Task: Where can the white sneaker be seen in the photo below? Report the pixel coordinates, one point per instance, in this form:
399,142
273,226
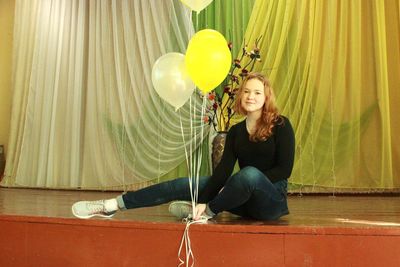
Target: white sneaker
89,209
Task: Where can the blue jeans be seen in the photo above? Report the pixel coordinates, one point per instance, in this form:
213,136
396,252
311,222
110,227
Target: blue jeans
248,193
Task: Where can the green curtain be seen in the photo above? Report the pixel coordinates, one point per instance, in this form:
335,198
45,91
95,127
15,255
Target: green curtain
230,18
335,67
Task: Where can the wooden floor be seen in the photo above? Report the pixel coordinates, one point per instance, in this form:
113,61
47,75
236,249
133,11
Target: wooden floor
332,225
320,211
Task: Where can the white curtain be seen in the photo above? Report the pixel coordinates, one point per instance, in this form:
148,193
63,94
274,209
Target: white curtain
85,114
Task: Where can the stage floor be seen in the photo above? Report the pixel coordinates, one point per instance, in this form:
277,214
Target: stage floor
307,210
37,228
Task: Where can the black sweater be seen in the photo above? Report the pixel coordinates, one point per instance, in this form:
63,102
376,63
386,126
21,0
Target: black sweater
274,156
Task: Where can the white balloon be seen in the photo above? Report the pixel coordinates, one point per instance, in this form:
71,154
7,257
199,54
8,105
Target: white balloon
197,5
171,80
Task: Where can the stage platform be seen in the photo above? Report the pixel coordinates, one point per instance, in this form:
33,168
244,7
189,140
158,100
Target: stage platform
38,229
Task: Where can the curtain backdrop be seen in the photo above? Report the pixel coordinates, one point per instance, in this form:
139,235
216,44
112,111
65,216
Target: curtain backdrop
335,66
85,114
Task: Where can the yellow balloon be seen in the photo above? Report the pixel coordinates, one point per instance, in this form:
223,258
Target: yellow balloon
208,59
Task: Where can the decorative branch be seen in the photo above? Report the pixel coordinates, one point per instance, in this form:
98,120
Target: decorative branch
220,111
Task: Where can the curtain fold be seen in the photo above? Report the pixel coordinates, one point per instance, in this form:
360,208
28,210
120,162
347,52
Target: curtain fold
85,114
335,69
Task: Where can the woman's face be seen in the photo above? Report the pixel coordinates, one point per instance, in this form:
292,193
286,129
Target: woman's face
253,97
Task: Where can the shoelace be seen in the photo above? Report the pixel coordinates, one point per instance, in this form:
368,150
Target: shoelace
95,206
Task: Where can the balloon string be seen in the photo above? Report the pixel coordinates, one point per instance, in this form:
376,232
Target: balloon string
187,156
183,137
185,242
197,21
200,155
194,166
188,257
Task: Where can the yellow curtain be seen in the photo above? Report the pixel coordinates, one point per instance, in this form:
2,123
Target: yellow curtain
335,67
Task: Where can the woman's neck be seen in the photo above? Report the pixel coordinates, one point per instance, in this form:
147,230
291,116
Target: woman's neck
252,117
251,121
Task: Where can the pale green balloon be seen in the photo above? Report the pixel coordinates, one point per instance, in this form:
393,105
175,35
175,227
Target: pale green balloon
197,5
171,80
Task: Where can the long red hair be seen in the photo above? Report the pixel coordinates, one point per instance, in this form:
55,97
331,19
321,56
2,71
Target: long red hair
270,115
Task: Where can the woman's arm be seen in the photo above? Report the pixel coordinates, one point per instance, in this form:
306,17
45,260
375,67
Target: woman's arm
285,148
223,170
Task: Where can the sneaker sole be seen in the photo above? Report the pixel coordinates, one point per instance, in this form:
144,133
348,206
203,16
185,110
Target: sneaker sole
90,216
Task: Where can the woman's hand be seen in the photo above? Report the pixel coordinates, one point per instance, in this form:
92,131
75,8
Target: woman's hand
199,210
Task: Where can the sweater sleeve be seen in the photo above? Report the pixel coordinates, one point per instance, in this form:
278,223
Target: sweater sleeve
223,170
285,149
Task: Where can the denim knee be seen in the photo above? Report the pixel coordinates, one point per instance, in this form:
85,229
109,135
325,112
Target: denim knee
248,176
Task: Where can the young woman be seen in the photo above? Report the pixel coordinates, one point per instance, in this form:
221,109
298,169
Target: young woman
264,146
